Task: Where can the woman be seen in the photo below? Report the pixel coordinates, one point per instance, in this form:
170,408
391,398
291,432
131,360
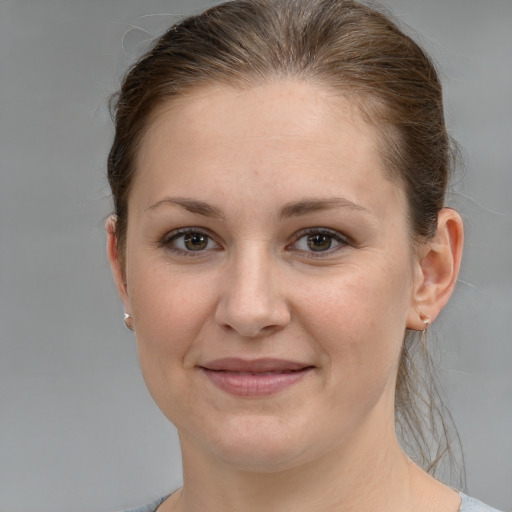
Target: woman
278,172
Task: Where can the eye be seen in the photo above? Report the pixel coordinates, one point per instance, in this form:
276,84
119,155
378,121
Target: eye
190,241
319,241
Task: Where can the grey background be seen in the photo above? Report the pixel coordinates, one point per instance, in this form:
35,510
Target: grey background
78,430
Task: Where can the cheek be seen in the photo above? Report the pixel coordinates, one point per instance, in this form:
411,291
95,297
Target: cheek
358,320
170,310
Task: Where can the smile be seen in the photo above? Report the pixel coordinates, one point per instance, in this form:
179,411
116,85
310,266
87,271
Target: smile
261,377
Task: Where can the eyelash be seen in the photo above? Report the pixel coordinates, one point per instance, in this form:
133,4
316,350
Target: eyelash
341,240
175,235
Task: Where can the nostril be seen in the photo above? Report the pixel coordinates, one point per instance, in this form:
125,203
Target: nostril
254,331
251,302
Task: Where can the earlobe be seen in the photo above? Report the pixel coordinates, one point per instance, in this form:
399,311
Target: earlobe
438,268
118,270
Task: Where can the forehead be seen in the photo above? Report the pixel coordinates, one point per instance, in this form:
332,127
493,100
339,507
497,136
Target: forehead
287,134
279,109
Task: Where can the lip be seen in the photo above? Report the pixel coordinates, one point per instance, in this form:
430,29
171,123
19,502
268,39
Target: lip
257,377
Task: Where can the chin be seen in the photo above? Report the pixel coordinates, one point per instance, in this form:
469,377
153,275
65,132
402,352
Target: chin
257,443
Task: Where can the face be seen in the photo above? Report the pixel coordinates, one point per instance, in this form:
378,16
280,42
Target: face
270,274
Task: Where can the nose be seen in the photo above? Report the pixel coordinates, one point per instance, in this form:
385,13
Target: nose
253,303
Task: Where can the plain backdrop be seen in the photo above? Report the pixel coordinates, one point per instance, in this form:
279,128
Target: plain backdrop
78,429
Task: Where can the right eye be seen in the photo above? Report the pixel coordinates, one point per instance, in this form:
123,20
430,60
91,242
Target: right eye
319,243
190,241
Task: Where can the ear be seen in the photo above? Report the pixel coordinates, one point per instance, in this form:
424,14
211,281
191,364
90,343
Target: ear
116,264
437,269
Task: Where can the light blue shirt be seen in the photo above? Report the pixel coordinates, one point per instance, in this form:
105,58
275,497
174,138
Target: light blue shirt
468,505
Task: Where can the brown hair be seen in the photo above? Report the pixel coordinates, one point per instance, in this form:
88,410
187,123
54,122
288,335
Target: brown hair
341,44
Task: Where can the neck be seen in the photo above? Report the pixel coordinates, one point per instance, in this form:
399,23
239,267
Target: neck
357,476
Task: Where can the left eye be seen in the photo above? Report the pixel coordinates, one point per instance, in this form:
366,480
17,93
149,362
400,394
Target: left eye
192,241
319,241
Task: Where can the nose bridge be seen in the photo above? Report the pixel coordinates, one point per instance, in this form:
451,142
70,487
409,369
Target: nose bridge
252,302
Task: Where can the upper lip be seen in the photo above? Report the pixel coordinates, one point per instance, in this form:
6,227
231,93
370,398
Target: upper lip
233,364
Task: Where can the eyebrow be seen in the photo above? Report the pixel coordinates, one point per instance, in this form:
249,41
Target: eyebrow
298,208
191,205
293,209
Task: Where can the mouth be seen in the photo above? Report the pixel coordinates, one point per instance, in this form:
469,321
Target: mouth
259,377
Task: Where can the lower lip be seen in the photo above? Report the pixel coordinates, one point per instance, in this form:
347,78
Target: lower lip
254,384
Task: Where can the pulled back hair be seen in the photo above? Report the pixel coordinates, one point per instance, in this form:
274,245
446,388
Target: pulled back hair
345,46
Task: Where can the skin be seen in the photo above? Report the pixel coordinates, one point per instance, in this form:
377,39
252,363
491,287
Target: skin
257,289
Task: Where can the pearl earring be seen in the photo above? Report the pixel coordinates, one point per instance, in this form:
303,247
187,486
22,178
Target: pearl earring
128,321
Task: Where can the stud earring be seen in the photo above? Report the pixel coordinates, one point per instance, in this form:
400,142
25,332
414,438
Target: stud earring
423,333
128,321
426,322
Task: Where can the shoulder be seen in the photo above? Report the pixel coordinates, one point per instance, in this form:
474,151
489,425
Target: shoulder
470,504
150,507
